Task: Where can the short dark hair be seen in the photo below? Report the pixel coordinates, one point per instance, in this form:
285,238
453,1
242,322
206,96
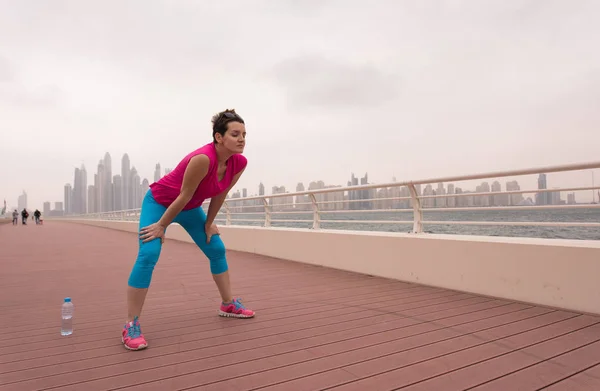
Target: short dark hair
220,121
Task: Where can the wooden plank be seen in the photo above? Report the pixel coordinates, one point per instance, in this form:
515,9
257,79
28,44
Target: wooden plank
442,364
420,346
587,380
547,372
479,321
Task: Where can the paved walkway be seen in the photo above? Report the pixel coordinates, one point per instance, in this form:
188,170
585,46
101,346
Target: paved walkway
315,328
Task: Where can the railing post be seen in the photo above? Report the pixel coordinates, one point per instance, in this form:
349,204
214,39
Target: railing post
417,211
227,214
316,212
267,212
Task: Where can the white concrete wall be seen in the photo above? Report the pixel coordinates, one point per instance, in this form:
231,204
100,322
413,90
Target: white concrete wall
557,273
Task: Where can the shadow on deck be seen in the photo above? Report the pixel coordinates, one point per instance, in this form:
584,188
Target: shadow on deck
315,328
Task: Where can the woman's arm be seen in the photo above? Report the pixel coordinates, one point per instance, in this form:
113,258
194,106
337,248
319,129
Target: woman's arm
195,171
217,201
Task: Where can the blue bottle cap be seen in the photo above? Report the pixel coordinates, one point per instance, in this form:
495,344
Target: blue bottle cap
67,299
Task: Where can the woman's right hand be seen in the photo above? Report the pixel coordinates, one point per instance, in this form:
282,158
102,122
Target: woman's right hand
153,231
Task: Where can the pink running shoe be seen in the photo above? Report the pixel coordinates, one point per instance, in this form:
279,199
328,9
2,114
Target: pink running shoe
132,336
235,309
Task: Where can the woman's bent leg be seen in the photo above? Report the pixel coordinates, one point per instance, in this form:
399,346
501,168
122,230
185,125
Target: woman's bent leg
193,222
141,275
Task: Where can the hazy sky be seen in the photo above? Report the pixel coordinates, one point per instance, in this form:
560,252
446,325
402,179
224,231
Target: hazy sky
411,89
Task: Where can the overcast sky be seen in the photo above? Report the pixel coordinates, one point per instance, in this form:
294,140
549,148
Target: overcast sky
411,89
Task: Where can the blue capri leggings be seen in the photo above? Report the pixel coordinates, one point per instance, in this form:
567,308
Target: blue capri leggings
193,222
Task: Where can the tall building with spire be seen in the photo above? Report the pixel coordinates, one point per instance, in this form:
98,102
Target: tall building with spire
126,179
99,185
107,187
79,197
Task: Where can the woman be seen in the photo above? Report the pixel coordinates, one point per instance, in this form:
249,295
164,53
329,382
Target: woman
208,172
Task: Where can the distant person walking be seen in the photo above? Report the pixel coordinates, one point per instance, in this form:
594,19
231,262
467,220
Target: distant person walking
37,215
208,172
15,216
24,215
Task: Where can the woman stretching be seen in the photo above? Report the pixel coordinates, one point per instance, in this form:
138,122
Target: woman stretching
208,172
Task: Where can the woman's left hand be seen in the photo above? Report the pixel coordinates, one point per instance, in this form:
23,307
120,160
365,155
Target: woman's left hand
210,231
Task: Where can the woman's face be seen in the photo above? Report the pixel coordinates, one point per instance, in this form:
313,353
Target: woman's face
234,139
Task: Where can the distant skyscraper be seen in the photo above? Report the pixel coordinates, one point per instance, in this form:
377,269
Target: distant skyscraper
118,192
80,190
428,202
360,194
136,189
47,208
157,172
261,189
107,185
92,204
302,202
542,198
76,187
68,199
83,193
100,185
22,201
442,201
485,200
143,190
554,198
126,178
496,200
451,201
514,199
281,203
97,207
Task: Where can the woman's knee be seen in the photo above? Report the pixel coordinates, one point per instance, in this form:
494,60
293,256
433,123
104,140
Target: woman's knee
148,255
149,252
216,248
215,252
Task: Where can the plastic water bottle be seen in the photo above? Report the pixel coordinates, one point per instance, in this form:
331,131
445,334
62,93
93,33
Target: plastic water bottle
67,317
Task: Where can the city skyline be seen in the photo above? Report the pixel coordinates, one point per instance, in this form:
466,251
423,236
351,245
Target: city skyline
569,179
126,190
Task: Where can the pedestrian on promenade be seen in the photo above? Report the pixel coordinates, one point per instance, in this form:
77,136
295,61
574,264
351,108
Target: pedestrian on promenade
208,172
37,214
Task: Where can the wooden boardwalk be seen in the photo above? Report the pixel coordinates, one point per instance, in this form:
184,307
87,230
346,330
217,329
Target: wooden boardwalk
315,329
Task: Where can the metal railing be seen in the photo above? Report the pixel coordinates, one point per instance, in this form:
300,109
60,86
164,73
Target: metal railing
354,202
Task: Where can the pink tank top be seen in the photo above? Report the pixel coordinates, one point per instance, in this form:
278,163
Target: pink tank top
168,188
